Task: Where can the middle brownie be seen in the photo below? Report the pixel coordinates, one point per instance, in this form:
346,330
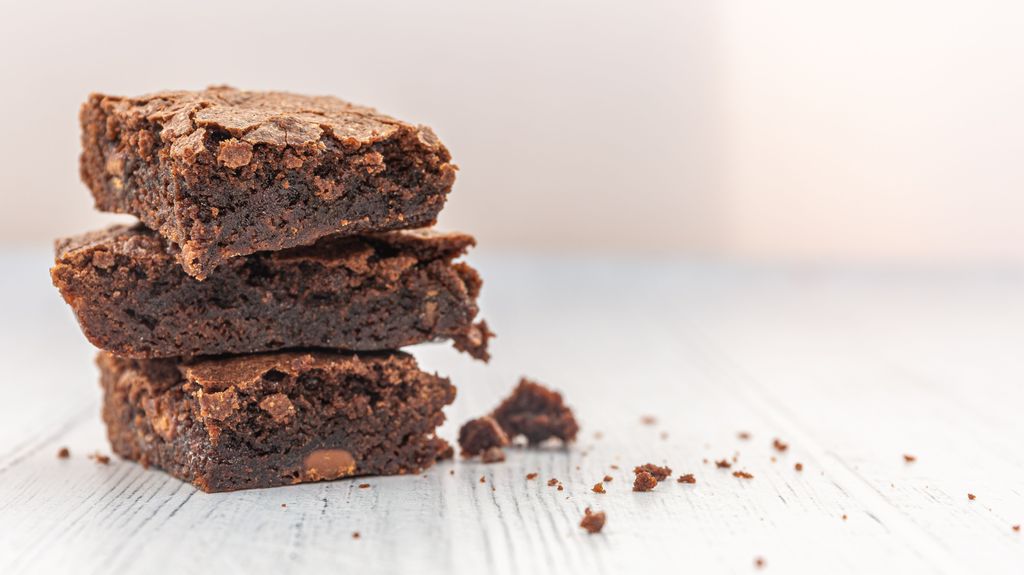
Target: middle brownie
379,291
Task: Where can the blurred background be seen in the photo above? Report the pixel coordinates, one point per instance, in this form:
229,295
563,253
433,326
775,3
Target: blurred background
793,129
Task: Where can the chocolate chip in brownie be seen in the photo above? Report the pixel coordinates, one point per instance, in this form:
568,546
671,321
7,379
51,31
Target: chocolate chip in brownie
593,521
536,413
478,435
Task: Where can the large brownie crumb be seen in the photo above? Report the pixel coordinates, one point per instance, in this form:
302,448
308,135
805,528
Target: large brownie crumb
660,473
373,292
222,172
275,419
536,413
593,521
644,481
478,435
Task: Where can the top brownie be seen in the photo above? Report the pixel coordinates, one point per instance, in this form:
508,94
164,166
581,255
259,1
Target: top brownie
222,172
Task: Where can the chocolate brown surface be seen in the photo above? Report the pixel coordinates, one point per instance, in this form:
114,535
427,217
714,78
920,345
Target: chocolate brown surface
478,435
274,419
536,413
222,172
380,291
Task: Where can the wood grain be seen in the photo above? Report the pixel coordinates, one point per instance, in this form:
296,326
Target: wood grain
852,368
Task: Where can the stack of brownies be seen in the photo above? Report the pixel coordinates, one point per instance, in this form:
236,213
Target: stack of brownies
249,325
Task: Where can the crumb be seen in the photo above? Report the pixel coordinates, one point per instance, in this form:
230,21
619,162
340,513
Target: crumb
63,453
660,473
356,535
592,522
284,505
552,482
759,562
664,435
909,458
1016,527
483,479
364,485
530,476
971,496
560,488
744,435
773,459
779,445
613,466
451,472
644,481
649,420
478,435
742,475
577,468
446,452
688,478
705,461
537,413
736,457
723,464
598,435
798,466
607,478
598,488
493,455
844,517
100,458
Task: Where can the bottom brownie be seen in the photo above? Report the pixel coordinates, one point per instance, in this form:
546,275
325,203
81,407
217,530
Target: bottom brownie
275,419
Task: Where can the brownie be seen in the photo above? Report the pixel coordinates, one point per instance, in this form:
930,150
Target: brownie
274,419
380,291
478,435
222,172
537,413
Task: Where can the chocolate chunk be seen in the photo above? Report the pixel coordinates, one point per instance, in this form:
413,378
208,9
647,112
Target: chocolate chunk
478,435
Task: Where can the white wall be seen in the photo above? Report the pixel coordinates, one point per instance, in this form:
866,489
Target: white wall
791,128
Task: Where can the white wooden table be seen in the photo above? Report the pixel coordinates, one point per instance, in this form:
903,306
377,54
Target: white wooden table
853,369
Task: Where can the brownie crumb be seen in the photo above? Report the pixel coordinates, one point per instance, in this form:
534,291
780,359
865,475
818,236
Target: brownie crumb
613,466
688,478
779,444
483,479
531,476
552,482
364,485
592,521
1016,527
844,517
744,435
909,458
560,487
799,466
773,459
742,475
100,458
536,413
660,473
478,435
598,488
723,464
63,453
971,496
644,481
283,505
607,478
759,562
356,535
664,435
649,420
474,341
451,472
598,435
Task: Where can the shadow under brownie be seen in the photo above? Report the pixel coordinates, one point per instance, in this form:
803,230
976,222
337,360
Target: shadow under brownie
380,291
223,172
275,419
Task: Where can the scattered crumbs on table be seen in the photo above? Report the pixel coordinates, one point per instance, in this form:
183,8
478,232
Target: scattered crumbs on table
798,466
909,458
844,517
723,464
742,474
779,445
364,485
531,476
613,466
1016,527
660,473
607,478
971,496
483,479
598,487
744,435
688,478
649,420
356,535
63,453
759,562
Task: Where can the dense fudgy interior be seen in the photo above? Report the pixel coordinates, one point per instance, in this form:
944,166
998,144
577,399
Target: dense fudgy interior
275,419
222,173
382,291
